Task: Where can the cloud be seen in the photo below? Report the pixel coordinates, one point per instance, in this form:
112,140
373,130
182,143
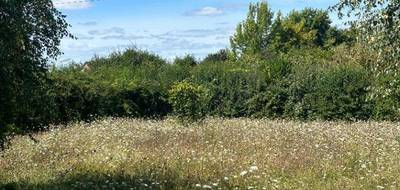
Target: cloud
122,37
114,33
205,11
222,23
72,4
222,38
236,6
89,23
195,33
183,44
83,36
108,31
78,46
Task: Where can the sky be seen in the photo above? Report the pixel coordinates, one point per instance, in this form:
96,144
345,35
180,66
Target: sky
168,28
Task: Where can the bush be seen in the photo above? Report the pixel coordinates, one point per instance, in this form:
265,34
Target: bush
82,96
186,61
387,102
188,101
230,84
249,87
329,94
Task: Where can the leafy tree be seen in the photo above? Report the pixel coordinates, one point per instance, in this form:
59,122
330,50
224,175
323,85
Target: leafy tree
308,27
253,34
378,22
30,32
220,56
185,61
336,36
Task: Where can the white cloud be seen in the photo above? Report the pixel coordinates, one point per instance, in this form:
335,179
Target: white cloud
206,11
72,4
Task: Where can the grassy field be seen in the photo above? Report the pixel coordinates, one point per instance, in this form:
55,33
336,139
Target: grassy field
216,154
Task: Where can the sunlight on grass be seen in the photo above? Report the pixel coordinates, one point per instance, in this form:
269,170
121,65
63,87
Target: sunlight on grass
216,154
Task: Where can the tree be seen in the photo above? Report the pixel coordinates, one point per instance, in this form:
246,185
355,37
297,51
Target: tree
30,33
220,56
308,27
254,34
337,36
186,61
378,23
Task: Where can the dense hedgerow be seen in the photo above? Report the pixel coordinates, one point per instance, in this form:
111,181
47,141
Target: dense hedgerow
281,86
312,84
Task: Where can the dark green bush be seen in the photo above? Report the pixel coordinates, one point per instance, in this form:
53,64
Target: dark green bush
230,87
387,100
329,93
186,61
108,91
277,87
218,57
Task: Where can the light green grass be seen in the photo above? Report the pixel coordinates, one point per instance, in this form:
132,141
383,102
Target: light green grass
216,154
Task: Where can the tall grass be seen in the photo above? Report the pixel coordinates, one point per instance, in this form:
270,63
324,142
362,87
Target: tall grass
214,154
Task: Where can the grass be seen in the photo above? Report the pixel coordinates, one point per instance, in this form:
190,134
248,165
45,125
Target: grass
216,154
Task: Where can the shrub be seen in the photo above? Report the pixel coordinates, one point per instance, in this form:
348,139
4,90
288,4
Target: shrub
387,103
188,100
230,85
186,61
329,93
269,101
220,56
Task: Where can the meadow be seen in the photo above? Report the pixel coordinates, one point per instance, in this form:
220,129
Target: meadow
306,105
212,154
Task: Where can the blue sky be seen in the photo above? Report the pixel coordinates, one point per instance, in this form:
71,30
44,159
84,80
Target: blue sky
169,28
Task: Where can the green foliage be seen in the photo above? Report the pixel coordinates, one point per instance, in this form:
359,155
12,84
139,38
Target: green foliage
310,26
186,61
307,28
260,34
329,94
253,35
299,85
388,99
270,95
221,56
336,36
379,25
109,88
31,31
188,100
131,57
292,66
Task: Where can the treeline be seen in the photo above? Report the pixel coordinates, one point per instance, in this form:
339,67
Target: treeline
295,66
292,66
306,85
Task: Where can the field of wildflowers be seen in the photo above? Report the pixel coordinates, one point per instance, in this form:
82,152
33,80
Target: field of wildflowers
214,154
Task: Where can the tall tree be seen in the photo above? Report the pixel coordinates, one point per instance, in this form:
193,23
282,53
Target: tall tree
378,23
308,27
30,33
186,61
253,34
220,56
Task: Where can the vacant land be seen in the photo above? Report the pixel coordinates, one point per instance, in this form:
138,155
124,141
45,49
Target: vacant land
215,154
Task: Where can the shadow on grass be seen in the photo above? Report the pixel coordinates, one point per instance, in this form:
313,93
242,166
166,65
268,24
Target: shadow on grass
100,181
